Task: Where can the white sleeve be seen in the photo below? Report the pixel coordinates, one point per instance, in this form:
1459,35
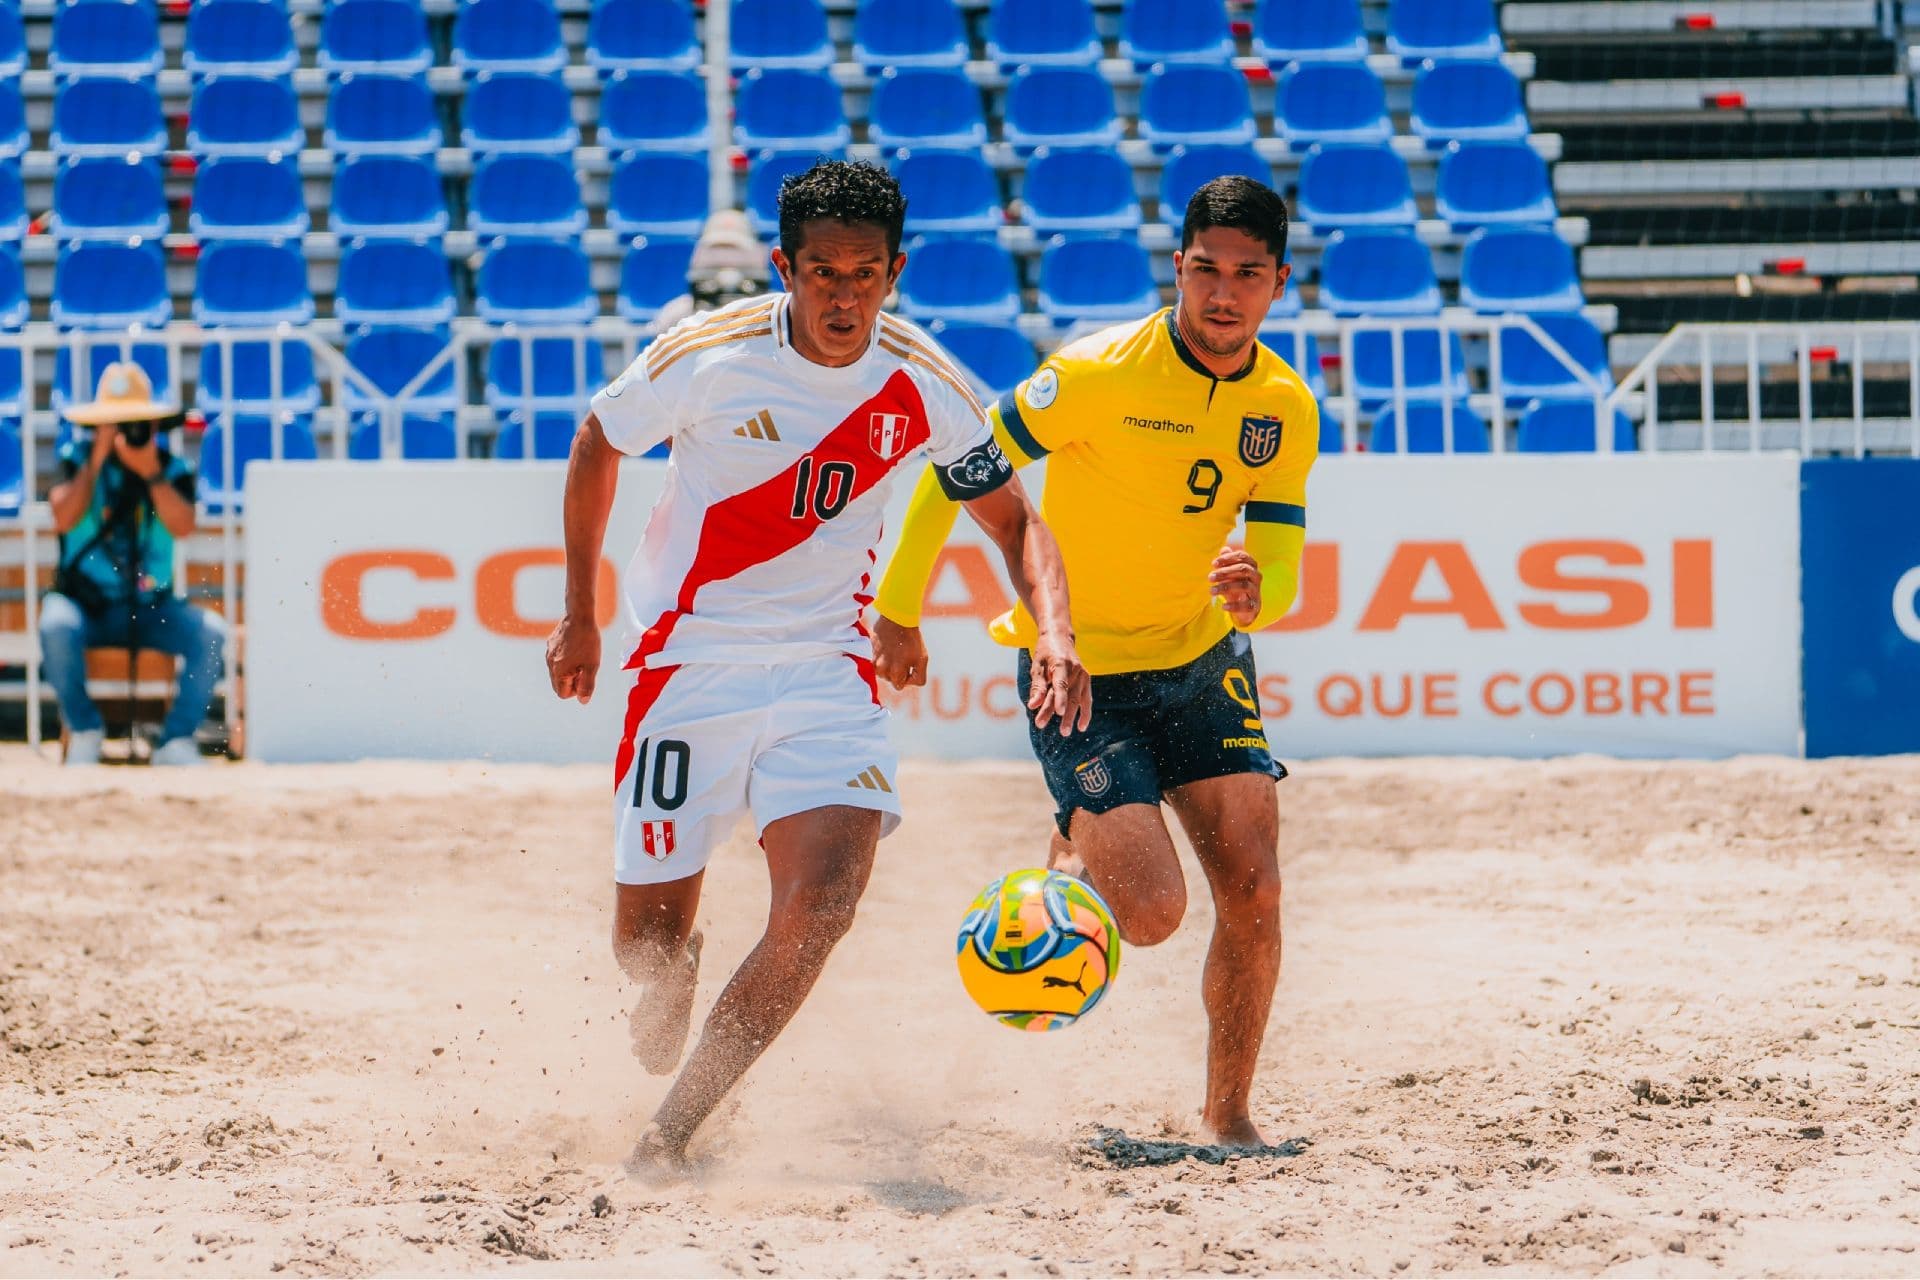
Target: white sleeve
967,460
631,411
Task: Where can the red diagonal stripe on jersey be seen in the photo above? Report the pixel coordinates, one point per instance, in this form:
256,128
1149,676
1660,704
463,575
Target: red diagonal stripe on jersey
646,692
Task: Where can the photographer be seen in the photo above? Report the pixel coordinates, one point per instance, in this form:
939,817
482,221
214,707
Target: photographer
122,501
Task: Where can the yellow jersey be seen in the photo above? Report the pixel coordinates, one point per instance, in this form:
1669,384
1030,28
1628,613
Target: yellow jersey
1151,459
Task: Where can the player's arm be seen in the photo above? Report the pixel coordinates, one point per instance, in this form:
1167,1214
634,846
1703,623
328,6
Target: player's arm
1257,586
1062,689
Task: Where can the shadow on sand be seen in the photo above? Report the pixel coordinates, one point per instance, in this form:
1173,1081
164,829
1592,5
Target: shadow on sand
1116,1148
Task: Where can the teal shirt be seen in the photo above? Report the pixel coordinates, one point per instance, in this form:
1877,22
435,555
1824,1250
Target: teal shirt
141,542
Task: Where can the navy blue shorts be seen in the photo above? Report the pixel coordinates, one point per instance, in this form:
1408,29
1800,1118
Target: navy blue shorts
1153,731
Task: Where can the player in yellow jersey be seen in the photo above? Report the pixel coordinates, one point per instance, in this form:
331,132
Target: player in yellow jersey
1159,435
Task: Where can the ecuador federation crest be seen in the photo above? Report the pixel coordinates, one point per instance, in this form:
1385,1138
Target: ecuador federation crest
1259,439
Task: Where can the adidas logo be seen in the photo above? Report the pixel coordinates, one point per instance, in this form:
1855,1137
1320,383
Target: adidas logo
758,427
872,780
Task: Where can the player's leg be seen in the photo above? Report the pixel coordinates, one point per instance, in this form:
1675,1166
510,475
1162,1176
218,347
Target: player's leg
656,945
1130,859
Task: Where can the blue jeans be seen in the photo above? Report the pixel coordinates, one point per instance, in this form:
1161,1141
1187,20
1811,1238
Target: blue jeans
169,625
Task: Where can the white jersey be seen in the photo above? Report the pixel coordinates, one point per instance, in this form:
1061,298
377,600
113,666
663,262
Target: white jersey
761,548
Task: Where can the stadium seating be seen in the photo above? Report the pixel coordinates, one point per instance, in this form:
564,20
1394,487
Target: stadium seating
104,38
653,111
94,354
254,436
1467,101
253,378
1079,191
392,356
380,37
251,283
1344,185
1371,378
926,109
1377,272
13,291
951,191
107,118
780,34
641,35
13,42
1493,183
249,198
13,121
1195,106
784,110
1331,102
244,116
909,33
12,478
1309,31
658,195
390,196
1420,29
1060,107
535,282
508,35
563,371
96,199
1189,168
1175,31
769,169
1426,431
519,111
423,438
13,204
239,37
110,286
1042,33
1095,280
653,273
552,436
392,282
959,279
523,195
1566,426
382,115
1518,269
1529,372
998,356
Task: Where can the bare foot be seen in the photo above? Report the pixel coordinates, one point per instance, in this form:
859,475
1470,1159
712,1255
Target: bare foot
660,1021
654,1159
1238,1132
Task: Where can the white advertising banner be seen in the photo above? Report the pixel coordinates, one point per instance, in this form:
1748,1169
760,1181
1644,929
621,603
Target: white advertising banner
1511,605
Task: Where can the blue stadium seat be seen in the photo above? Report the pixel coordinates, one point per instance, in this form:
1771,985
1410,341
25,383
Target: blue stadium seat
13,204
13,291
392,356
1173,31
1348,185
515,195
517,111
552,436
653,274
1566,426
104,38
1493,184
1042,33
1528,371
99,199
1060,107
1195,106
909,33
1331,102
997,355
107,118
642,35
1427,431
1289,304
508,35
1441,29
13,42
111,286
244,116
239,37
1377,272
1079,191
1309,31
1518,269
423,438
783,110
658,195
13,487
769,170
1371,378
379,37
13,120
388,196
653,111
393,282
254,438
536,282
249,283
780,33
1096,279
250,198
948,191
959,279
382,115
94,354
1190,168
253,378
926,109
565,373
1462,101
1301,351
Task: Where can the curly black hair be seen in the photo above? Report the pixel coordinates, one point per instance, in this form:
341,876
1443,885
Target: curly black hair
852,191
1233,200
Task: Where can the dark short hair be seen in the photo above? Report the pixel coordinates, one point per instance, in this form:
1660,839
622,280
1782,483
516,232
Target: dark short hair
1234,200
852,191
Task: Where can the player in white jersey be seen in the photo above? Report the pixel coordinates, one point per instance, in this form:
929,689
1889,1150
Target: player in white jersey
753,689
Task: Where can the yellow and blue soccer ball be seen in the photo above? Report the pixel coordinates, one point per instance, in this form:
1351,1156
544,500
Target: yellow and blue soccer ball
1038,949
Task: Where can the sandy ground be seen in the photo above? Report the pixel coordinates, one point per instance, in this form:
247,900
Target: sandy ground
1573,1017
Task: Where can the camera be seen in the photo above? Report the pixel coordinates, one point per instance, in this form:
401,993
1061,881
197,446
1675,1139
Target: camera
136,434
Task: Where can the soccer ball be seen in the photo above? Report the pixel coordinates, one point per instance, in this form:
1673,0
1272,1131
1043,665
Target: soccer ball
1037,950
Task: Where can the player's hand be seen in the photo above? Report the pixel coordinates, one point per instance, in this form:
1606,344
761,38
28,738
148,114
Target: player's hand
1061,689
1235,583
143,461
899,653
104,438
573,658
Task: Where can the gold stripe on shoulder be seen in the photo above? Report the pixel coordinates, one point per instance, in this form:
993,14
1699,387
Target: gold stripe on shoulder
755,315
717,340
886,344
939,363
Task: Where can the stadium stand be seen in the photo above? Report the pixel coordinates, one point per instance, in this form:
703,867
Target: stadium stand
244,116
104,38
97,199
239,38
658,194
641,35
926,109
1068,191
1430,429
1041,33
381,115
956,191
653,273
1287,31
378,37
386,196
909,33
107,117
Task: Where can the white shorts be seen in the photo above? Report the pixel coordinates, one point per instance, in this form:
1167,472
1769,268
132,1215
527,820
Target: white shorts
705,743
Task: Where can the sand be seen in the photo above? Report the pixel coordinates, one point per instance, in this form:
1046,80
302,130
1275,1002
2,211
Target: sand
1572,1017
